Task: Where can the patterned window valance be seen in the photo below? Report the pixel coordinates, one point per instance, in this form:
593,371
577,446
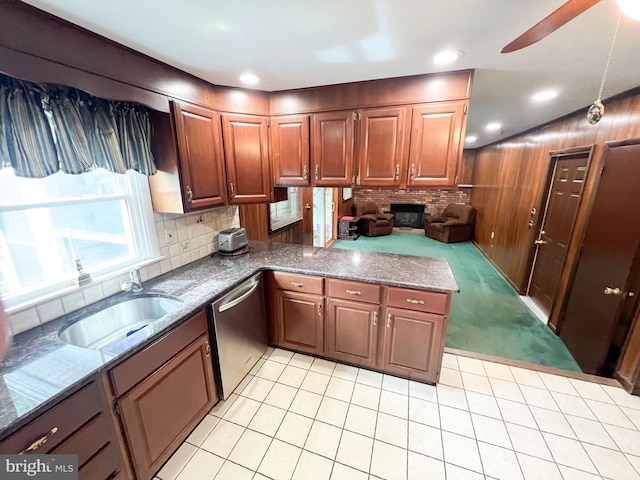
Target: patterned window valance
49,128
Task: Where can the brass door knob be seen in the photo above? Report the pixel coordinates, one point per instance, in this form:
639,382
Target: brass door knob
612,291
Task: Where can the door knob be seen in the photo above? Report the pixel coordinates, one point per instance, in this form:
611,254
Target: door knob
308,206
540,242
612,291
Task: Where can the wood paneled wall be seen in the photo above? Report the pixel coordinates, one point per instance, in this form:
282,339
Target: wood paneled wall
509,179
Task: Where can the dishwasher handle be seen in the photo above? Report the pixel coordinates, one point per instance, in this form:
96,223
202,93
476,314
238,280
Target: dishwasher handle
229,304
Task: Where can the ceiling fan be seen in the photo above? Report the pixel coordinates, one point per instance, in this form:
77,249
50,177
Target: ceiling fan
567,12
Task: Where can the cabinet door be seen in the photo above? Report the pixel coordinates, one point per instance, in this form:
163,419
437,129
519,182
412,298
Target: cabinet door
247,158
381,147
352,332
332,149
413,344
160,412
200,154
300,321
290,150
436,144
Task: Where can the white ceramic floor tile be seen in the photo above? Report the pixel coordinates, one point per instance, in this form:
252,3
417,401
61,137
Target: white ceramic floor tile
267,419
271,370
591,390
558,384
457,473
498,371
490,430
366,396
301,361
569,452
611,464
312,467
456,421
392,430
517,413
421,467
232,471
611,414
223,438
476,383
569,473
306,403
322,366
257,366
395,384
423,391
461,451
243,384
452,397
342,472
340,389
628,441
450,361
539,397
355,451
268,352
220,408
536,469
425,412
622,398
294,429
242,411
258,389
635,461
332,411
451,377
367,377
361,420
633,415
202,466
484,405
282,356
323,439
571,405
281,396
346,372
250,449
507,390
552,422
425,440
394,404
527,377
292,376
499,463
471,365
177,462
202,431
588,431
280,460
315,382
388,461
528,441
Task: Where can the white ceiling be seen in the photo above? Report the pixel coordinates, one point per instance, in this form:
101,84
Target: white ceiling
302,43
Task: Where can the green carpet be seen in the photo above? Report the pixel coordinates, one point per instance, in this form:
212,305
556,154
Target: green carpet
487,315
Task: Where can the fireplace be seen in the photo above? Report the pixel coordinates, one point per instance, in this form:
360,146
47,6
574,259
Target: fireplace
408,215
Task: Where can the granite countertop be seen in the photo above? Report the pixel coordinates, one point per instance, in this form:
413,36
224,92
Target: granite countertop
39,369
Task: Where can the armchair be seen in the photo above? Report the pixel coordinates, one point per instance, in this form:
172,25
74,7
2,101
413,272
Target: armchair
455,224
371,221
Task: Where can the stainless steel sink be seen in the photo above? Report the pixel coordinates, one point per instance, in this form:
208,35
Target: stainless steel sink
117,322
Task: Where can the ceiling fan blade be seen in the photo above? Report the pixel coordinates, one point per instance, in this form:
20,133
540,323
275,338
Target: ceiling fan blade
549,24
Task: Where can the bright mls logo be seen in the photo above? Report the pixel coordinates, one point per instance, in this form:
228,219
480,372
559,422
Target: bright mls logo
45,467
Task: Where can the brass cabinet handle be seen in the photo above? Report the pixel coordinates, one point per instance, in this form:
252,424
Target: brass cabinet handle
39,442
388,320
540,242
207,348
297,284
305,172
189,194
612,291
397,171
375,318
353,292
232,189
319,309
413,169
317,171
417,302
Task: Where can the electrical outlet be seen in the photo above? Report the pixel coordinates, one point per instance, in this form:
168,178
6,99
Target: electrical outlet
200,219
170,236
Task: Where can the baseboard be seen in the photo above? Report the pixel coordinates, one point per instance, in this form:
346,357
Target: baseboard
534,308
490,260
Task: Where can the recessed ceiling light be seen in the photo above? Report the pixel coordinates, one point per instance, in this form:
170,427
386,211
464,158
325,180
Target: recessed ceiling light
545,95
630,7
249,78
471,139
492,127
447,56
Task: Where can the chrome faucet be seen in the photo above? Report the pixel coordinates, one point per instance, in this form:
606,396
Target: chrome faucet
135,283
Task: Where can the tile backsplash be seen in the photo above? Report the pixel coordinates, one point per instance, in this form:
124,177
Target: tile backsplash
181,238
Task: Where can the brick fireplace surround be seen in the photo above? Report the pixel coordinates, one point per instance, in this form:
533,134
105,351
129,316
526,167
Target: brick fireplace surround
435,199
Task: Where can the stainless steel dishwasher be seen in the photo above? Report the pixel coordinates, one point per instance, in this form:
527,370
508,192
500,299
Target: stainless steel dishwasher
239,331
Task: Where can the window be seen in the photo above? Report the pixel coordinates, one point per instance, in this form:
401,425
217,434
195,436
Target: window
101,218
287,211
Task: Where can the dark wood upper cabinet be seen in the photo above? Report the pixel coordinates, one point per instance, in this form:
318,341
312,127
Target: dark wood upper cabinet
381,152
290,150
332,149
246,151
436,144
199,142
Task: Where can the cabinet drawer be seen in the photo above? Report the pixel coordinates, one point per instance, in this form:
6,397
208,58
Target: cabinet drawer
142,364
87,441
357,291
298,283
102,466
56,424
418,300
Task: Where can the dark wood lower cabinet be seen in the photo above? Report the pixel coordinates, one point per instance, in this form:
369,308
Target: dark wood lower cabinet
352,332
300,321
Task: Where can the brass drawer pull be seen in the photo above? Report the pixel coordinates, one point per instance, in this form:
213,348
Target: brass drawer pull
397,172
189,194
375,318
317,172
305,172
319,309
389,320
353,292
417,302
207,349
297,284
39,442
